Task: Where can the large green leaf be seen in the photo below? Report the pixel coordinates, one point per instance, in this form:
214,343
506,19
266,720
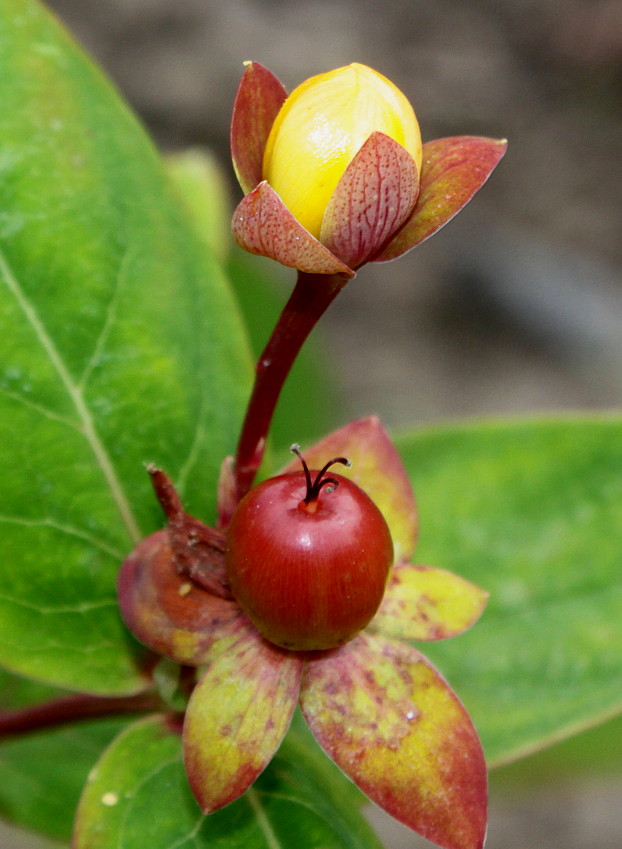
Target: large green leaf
138,796
36,794
532,512
121,344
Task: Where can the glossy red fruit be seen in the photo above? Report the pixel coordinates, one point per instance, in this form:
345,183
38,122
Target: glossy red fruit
308,560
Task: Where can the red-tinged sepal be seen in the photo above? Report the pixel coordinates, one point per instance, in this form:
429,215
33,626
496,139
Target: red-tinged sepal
236,718
453,170
392,724
422,603
258,100
168,612
377,468
198,550
263,225
373,198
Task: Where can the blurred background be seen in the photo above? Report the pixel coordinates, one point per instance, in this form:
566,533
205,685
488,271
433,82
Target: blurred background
515,308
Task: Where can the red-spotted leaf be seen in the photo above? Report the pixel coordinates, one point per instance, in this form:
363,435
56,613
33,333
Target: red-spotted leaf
236,718
453,170
392,724
263,225
376,468
373,198
422,603
171,614
259,98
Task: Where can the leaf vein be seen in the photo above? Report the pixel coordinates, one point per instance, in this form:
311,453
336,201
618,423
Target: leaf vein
47,522
84,414
39,408
111,314
129,795
263,822
195,445
191,835
78,607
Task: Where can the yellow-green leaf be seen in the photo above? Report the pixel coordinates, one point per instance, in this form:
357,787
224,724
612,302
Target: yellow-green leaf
396,729
422,603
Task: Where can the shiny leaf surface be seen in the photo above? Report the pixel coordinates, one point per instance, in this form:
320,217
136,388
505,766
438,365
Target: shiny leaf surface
121,344
138,796
530,512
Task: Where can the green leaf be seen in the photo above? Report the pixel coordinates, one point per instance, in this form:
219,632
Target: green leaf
203,187
121,345
138,796
532,513
43,774
34,793
595,754
16,692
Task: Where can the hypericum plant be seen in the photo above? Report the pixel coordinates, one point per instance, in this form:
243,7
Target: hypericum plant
273,603
326,624
123,344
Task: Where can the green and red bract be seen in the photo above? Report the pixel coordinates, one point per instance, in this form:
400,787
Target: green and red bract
374,704
308,560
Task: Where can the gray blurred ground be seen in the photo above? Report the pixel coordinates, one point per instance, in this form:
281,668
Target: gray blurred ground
516,307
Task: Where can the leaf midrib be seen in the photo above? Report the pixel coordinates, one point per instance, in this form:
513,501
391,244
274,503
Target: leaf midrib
88,428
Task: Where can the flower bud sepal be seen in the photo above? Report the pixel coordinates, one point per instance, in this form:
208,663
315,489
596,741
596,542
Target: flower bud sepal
383,205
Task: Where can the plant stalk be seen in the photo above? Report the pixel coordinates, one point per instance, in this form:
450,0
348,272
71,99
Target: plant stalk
68,709
310,299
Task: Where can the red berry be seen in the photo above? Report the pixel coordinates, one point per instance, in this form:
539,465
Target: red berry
308,561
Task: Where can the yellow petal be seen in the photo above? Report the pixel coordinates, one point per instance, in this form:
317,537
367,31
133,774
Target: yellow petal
322,126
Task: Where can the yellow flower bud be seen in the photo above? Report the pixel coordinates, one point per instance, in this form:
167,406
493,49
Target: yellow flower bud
321,127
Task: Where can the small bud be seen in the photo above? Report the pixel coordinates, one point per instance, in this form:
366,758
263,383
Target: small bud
335,175
322,126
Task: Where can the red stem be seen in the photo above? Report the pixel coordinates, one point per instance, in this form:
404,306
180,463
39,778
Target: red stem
311,297
72,708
